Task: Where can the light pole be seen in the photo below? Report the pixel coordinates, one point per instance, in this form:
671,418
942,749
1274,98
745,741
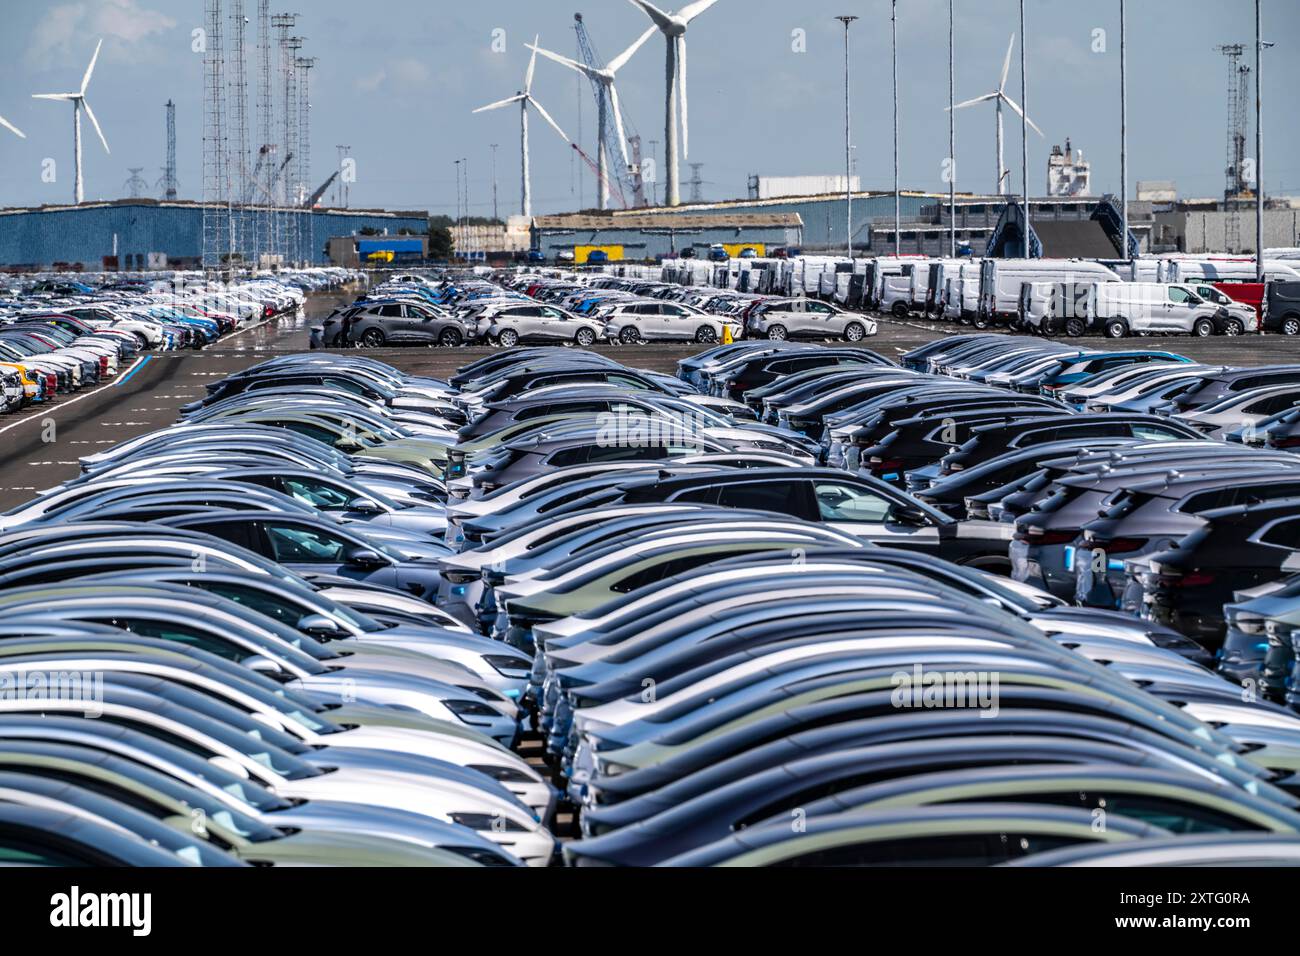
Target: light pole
1024,132
496,214
456,223
1259,151
848,148
952,149
893,23
1123,129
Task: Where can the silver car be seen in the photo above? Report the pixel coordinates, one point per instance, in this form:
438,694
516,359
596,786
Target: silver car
807,319
656,321
512,324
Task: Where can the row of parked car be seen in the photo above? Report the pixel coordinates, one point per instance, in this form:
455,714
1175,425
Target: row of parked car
332,598
528,308
743,657
58,335
1151,295
253,591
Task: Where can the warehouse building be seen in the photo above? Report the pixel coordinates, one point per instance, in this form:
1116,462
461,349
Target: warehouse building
148,233
647,235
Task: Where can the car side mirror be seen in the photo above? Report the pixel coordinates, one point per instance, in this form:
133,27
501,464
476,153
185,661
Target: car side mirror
365,506
348,445
318,625
260,664
909,515
364,558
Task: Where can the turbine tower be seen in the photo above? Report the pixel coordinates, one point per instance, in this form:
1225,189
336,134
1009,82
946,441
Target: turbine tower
673,27
79,103
525,99
606,104
999,96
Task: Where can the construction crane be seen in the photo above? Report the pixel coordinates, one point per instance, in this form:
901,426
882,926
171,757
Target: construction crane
625,181
314,198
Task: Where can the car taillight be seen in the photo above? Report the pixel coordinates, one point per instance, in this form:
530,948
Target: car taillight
1170,578
268,311
884,464
1042,536
1120,545
1291,441
103,364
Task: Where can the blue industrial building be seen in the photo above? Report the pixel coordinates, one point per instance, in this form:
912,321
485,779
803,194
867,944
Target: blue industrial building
643,235
133,230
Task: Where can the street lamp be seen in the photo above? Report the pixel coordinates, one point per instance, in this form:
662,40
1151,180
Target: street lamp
893,22
952,149
848,149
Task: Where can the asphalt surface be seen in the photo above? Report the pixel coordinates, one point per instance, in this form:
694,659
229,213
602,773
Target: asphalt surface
40,446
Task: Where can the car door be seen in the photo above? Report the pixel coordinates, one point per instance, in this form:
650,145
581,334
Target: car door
1178,312
873,515
421,325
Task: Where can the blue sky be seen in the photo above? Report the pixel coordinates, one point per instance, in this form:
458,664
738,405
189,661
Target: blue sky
397,80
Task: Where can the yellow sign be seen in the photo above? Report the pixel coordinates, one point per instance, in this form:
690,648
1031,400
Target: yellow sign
582,253
381,255
734,249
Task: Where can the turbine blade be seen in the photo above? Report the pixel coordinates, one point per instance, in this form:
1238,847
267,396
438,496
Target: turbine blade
693,10
978,99
661,19
95,123
532,65
547,116
12,128
564,60
85,80
55,96
681,81
500,103
1019,112
1006,64
618,122
616,64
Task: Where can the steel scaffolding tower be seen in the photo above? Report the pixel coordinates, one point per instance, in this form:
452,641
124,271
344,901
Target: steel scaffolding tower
306,219
216,213
288,167
237,150
1237,186
168,182
262,191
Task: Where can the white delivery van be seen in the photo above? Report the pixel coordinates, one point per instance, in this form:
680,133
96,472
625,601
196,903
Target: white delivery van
1124,308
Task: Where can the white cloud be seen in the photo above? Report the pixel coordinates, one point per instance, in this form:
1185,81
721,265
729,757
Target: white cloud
74,28
372,82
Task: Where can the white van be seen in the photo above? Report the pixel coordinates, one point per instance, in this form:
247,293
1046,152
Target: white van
1000,281
1120,309
892,283
1193,270
961,292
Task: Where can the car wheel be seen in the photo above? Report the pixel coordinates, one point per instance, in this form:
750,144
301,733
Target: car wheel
705,334
585,338
854,332
508,338
1202,328
630,335
1291,325
450,338
1116,329
373,338
1075,327
900,309
1233,327
777,333
980,322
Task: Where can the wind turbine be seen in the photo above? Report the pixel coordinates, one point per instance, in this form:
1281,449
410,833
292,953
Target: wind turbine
12,128
999,96
673,27
525,99
78,104
605,104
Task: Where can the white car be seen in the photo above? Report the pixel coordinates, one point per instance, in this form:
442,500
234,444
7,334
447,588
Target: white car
783,319
653,320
